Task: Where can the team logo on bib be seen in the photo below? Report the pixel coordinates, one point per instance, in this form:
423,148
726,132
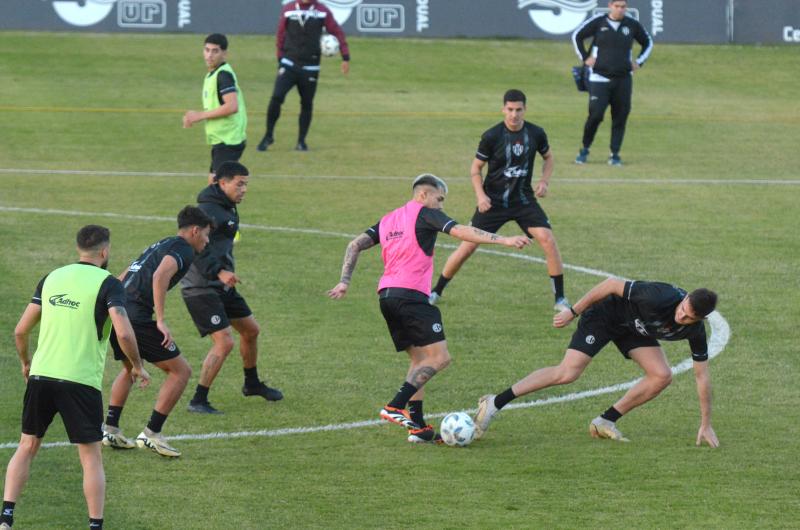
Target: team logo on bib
215,319
437,328
589,339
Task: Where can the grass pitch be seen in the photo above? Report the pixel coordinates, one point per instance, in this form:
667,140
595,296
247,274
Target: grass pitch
708,197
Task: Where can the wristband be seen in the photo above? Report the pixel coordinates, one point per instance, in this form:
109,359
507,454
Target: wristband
572,310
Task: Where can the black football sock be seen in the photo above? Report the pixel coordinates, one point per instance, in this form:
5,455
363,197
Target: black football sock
403,395
441,284
113,416
200,394
8,513
95,524
156,422
251,377
611,414
504,398
558,285
415,410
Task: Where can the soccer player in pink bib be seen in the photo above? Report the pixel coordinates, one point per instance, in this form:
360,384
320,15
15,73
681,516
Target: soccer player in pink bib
407,237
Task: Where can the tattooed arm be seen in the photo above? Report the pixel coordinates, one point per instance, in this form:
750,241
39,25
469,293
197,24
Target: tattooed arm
354,248
476,235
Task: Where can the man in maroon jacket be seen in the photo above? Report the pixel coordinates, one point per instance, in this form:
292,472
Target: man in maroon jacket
298,49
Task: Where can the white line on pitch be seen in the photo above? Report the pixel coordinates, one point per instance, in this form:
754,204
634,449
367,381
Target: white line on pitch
600,180
720,334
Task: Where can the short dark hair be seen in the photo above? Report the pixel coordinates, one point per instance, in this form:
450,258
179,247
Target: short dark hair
219,39
429,179
93,237
703,301
228,170
514,95
193,216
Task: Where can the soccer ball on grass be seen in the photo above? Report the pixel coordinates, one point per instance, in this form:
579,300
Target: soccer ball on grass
457,429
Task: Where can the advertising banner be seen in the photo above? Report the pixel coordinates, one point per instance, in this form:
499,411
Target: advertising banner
709,21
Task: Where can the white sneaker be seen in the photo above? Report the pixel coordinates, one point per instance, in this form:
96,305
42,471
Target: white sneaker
113,437
562,304
4,526
603,428
434,297
156,443
486,411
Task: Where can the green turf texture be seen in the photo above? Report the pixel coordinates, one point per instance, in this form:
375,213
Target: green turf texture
114,103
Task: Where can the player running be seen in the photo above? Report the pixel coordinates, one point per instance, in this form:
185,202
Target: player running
147,280
407,236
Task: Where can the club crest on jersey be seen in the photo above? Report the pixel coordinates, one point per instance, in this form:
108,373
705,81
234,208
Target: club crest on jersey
517,149
640,327
626,31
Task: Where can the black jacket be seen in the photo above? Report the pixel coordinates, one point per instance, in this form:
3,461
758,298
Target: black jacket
613,46
218,254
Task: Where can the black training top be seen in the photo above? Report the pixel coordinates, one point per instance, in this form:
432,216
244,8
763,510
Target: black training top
429,223
613,40
510,155
111,294
138,280
648,309
218,254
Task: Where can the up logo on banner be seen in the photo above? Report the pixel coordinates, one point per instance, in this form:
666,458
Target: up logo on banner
130,13
557,16
341,9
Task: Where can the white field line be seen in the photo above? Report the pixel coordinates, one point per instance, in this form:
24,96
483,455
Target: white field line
632,180
720,334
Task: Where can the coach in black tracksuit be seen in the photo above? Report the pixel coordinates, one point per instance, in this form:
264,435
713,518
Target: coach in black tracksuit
612,66
297,40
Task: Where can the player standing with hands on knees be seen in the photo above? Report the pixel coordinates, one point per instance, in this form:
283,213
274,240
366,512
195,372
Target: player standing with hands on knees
633,315
407,237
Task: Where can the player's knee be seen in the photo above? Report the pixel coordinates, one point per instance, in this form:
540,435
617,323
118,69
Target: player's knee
662,379
28,446
225,345
276,100
567,375
307,104
251,333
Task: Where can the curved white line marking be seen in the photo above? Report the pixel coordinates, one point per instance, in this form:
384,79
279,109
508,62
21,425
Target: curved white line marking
720,334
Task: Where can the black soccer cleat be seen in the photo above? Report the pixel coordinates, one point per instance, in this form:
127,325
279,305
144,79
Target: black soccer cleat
301,146
202,407
265,143
268,393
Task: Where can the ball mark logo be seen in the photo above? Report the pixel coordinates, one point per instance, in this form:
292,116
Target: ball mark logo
215,319
590,339
437,328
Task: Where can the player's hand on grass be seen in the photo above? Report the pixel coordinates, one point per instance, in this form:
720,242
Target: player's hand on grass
563,318
162,327
706,434
140,374
339,291
516,241
228,278
484,203
345,67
